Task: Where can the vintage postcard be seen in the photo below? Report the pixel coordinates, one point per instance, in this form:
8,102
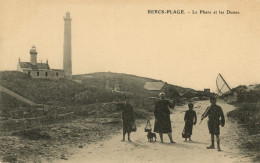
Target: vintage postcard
129,81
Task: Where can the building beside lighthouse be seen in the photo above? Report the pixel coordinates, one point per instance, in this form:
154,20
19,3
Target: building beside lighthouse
38,70
42,70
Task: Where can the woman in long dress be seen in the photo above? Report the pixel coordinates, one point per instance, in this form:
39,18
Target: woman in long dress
162,117
128,119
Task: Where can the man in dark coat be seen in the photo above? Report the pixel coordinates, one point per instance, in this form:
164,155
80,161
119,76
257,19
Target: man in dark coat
162,117
216,118
128,118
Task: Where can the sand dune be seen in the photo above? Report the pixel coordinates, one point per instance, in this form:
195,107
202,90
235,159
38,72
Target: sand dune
140,150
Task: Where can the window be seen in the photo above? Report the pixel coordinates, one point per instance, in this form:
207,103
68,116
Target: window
38,73
46,73
57,74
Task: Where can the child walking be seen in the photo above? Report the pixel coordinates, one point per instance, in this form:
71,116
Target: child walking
190,119
216,118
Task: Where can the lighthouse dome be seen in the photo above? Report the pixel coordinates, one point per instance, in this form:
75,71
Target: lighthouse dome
33,49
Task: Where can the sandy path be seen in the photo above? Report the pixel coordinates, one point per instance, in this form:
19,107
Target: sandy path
139,150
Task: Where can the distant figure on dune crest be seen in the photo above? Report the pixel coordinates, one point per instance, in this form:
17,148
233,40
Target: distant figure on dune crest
190,119
162,117
128,119
216,118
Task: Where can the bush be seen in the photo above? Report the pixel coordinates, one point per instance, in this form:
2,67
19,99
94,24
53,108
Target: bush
10,158
32,134
249,115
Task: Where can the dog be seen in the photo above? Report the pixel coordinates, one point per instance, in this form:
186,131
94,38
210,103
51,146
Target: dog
150,136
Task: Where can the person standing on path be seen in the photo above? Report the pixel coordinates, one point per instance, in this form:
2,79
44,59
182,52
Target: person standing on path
216,118
128,118
162,117
190,119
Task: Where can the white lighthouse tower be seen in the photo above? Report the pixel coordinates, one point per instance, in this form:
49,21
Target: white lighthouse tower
67,65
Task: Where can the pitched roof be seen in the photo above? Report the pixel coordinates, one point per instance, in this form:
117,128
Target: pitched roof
154,86
43,66
27,65
34,67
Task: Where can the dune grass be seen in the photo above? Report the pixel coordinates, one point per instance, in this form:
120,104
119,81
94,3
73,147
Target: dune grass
248,116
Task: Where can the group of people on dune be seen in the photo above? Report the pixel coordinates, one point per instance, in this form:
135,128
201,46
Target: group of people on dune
162,123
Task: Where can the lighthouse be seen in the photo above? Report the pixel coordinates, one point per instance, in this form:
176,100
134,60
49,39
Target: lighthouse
67,65
33,54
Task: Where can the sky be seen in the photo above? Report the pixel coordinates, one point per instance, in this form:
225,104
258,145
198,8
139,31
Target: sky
187,50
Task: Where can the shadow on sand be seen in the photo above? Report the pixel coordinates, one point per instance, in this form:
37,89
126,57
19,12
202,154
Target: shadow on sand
177,145
139,144
195,142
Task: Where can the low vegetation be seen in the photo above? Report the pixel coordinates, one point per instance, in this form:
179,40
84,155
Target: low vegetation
75,113
68,114
247,114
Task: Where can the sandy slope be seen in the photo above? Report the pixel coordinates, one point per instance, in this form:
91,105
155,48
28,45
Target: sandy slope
139,150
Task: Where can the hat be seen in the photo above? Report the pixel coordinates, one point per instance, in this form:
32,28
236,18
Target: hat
162,93
190,105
